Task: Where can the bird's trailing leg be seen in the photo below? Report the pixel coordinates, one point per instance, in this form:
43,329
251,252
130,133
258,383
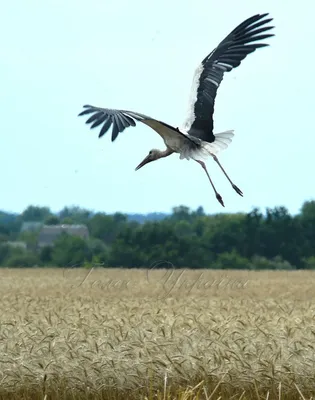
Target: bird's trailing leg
217,195
238,191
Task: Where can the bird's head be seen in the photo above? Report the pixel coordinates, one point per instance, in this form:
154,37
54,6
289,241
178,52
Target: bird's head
154,154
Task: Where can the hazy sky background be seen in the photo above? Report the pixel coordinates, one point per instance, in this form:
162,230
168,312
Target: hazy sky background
140,55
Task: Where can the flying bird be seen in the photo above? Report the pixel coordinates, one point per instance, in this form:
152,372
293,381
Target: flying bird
195,140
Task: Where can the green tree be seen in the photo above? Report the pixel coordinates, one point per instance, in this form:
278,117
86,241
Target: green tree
307,223
106,227
261,263
67,221
52,220
184,229
271,240
25,260
181,213
10,225
252,231
231,260
35,213
30,238
5,251
99,250
77,214
45,255
280,235
224,233
309,263
70,250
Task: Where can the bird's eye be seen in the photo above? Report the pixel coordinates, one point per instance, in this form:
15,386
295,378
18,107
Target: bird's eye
150,153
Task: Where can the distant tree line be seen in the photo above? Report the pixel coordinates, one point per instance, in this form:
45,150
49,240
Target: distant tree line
273,239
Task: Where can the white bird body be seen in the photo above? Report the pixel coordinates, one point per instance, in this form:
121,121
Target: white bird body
195,140
182,142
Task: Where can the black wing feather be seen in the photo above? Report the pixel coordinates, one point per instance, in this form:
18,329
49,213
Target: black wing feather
118,119
227,55
105,127
99,121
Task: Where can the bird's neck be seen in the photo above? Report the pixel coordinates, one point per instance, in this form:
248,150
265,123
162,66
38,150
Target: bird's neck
165,153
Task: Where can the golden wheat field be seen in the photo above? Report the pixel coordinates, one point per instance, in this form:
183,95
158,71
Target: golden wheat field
138,334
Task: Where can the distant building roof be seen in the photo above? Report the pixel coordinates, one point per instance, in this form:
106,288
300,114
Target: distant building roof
49,233
22,245
31,226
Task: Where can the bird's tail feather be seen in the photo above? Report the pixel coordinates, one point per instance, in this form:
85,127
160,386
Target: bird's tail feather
221,142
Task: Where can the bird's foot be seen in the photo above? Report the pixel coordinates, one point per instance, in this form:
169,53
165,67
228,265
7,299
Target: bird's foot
219,198
237,190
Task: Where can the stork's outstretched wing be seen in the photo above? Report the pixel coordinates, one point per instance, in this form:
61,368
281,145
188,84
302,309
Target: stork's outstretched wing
118,119
208,76
122,119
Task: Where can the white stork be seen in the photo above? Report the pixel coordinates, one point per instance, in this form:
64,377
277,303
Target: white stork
196,139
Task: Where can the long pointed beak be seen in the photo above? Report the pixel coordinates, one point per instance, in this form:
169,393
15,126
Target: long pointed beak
144,162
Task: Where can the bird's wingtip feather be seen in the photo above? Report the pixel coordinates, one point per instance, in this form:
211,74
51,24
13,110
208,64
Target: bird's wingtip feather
88,110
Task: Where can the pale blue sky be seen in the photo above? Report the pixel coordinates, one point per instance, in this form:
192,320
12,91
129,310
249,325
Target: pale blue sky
141,55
